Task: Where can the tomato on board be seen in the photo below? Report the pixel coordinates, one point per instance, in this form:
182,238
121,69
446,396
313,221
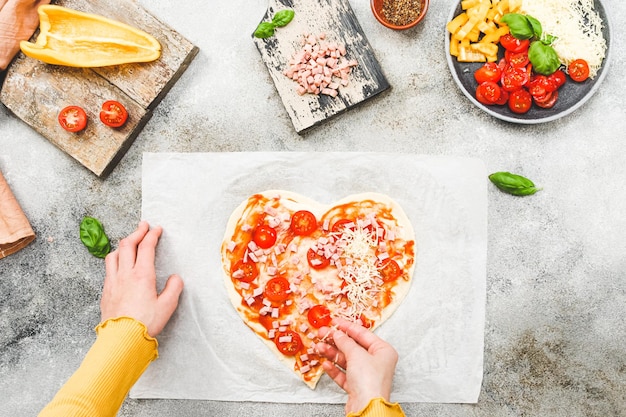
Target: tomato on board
520,101
277,289
264,236
488,92
317,261
490,71
578,70
516,59
288,342
303,223
390,270
73,119
510,43
113,113
248,268
319,316
514,78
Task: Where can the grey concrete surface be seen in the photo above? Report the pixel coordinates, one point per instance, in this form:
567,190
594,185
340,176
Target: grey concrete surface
556,274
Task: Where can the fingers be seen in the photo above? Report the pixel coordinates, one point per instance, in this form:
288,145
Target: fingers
147,248
360,334
332,354
335,374
167,302
128,246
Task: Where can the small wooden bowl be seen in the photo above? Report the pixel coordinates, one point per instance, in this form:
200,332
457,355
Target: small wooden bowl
377,9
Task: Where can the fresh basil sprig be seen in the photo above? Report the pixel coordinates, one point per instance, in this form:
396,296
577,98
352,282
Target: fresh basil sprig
541,53
94,238
513,184
280,19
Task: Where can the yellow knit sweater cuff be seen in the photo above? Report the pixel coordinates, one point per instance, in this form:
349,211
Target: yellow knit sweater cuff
378,407
121,353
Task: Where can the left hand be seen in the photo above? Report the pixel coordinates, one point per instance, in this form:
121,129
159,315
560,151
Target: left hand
130,282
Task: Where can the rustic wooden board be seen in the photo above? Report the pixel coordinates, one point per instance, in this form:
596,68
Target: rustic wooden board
36,92
336,19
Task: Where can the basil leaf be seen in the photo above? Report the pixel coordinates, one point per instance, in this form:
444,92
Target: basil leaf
513,184
536,25
283,17
548,39
544,58
93,237
264,30
519,26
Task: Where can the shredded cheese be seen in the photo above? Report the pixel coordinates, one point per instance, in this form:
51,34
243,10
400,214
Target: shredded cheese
577,27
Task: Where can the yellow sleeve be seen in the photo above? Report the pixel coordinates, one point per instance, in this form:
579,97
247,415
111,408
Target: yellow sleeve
121,353
378,407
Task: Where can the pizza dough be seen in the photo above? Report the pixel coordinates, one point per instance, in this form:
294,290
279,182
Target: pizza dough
289,275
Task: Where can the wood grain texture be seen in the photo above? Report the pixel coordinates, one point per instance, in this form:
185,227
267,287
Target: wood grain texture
336,19
36,92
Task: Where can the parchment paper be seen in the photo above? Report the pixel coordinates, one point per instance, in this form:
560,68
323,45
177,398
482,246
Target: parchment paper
207,352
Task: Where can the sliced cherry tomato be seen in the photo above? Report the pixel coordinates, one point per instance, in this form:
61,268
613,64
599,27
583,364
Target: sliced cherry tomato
303,223
277,289
490,71
488,92
504,98
288,342
578,70
340,225
513,44
264,236
548,100
113,113
516,59
73,119
319,316
390,270
558,78
248,268
514,78
520,101
366,322
502,64
317,261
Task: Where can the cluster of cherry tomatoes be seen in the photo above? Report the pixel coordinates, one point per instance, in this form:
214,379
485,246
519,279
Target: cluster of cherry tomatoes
512,82
74,119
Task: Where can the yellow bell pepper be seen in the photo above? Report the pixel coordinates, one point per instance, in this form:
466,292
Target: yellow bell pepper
77,39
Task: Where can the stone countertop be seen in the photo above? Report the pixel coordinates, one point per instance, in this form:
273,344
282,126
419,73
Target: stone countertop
556,266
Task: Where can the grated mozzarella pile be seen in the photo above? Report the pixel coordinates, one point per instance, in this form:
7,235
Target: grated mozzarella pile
577,26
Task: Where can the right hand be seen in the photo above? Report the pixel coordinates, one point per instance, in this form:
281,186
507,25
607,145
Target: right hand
360,362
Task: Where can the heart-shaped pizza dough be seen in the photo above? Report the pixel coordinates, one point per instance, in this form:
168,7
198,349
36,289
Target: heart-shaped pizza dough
291,264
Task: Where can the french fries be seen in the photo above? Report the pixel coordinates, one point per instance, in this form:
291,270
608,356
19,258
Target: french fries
476,31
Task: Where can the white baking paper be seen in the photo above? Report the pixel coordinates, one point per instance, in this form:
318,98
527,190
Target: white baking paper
207,352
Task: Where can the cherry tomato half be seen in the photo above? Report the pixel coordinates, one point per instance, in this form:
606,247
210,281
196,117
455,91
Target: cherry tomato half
264,236
548,100
317,261
513,44
490,71
390,270
558,78
113,113
73,119
319,316
488,92
578,70
340,225
303,223
516,59
248,269
514,78
277,289
288,342
520,101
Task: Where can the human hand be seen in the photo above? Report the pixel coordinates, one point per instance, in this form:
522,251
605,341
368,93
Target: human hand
130,282
360,362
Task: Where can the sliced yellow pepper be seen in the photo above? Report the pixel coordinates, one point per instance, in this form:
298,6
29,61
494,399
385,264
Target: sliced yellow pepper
77,39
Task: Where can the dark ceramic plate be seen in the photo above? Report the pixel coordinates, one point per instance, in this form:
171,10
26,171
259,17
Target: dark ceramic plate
571,96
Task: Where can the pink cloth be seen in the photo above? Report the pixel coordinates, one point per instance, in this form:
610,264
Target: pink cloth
18,22
15,230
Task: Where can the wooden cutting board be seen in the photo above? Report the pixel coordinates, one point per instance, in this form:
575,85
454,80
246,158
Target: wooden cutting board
36,92
335,19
